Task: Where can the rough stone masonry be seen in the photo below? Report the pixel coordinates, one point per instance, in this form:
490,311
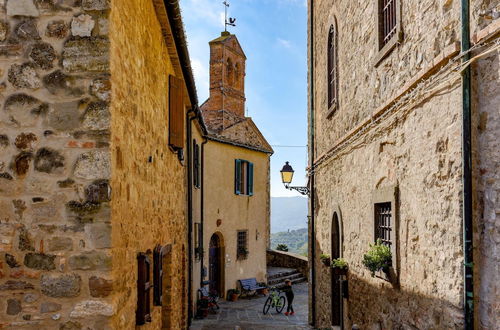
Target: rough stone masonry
60,265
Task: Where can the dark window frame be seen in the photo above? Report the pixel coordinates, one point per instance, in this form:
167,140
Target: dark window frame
143,311
242,244
380,197
243,177
332,70
389,27
196,165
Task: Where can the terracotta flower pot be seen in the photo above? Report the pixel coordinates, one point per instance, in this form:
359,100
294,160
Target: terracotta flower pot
326,262
234,297
339,271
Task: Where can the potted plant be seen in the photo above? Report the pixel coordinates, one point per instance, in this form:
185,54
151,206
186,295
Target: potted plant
242,253
325,259
233,294
378,258
339,266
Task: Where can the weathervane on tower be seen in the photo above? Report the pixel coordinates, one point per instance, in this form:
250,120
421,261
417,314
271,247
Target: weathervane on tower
231,20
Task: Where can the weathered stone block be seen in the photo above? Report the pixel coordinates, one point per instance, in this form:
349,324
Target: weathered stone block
22,8
30,297
82,26
16,285
100,287
50,307
48,160
91,308
68,183
83,208
27,30
21,163
58,83
70,325
95,4
100,235
13,306
58,286
93,165
98,191
60,244
64,116
4,141
25,241
97,116
57,29
11,261
86,55
43,54
24,76
22,107
24,141
4,30
101,88
40,261
92,260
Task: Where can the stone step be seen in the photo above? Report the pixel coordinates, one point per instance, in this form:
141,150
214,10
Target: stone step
280,279
282,274
294,281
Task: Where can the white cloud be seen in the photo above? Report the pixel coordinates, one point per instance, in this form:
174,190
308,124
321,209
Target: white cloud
285,43
209,11
201,76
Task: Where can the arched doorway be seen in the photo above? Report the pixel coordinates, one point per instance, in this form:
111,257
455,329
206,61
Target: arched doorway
336,294
216,264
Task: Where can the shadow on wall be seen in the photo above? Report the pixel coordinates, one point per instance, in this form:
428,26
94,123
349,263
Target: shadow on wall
377,304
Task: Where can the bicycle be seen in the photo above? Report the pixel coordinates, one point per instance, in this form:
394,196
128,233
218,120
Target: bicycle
276,300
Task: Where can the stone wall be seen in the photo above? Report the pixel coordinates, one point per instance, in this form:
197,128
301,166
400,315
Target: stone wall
148,180
288,260
381,138
54,164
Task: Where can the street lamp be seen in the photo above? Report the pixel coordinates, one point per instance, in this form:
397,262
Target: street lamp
287,176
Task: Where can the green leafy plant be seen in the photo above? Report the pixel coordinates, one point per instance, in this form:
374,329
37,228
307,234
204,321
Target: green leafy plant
282,247
379,257
324,256
339,263
242,253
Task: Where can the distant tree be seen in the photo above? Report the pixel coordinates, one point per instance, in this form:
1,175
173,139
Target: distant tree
282,247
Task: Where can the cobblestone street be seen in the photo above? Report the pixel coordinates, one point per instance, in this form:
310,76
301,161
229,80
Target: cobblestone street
246,314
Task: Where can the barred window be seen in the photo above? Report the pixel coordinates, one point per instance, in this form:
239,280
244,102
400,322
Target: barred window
383,223
389,19
242,244
332,68
389,27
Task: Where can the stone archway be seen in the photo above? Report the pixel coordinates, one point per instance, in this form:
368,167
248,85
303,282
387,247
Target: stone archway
216,263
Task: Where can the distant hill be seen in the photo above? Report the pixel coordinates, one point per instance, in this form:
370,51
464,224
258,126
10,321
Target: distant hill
296,240
288,213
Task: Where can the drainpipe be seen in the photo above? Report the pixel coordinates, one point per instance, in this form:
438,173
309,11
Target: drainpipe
190,212
311,161
202,208
468,269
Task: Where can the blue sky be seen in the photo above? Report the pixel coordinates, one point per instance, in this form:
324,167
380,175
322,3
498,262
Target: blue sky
273,34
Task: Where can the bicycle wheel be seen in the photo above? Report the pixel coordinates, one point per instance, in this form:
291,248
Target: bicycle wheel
267,305
280,304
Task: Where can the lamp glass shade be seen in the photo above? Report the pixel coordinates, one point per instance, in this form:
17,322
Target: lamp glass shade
287,173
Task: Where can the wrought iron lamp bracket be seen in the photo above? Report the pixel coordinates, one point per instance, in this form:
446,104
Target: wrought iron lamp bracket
301,190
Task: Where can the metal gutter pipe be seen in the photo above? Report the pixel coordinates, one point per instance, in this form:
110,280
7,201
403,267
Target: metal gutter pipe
202,209
468,270
190,212
311,161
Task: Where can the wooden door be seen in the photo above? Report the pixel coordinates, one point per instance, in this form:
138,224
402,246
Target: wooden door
336,294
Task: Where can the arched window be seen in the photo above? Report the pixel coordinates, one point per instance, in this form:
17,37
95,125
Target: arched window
237,75
332,69
229,71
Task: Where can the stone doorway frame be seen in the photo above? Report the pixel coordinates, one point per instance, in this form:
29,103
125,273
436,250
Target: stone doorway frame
220,255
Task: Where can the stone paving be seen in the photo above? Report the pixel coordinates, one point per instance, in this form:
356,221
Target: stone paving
246,314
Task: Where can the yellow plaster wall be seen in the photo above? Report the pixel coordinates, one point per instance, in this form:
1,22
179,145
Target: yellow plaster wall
149,200
237,212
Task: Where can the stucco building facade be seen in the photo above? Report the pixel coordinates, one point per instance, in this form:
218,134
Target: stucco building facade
231,202
94,95
385,127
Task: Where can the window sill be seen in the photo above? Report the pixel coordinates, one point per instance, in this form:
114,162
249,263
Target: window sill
332,110
387,49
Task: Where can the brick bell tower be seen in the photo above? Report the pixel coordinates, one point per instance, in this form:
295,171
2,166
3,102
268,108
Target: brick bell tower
227,77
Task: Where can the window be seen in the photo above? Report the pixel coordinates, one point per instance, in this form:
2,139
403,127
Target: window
242,247
196,165
383,223
389,26
332,70
143,312
176,113
243,177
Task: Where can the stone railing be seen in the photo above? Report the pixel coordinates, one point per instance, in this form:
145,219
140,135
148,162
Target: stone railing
289,260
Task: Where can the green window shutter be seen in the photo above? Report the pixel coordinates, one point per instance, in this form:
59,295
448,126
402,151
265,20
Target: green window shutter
237,176
250,179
